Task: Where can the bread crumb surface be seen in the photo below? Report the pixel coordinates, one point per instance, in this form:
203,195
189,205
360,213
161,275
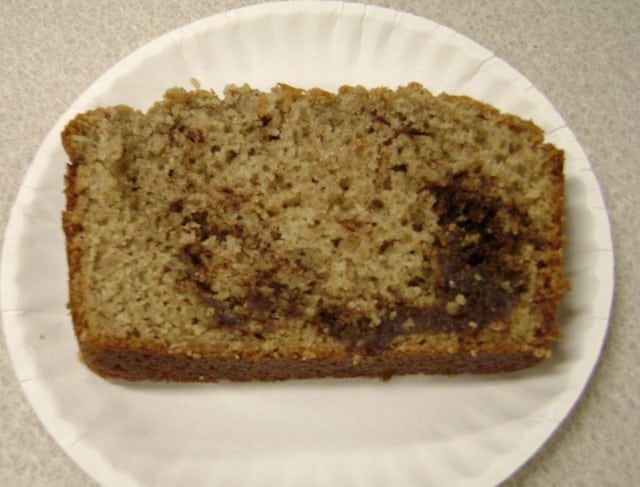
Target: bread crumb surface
306,222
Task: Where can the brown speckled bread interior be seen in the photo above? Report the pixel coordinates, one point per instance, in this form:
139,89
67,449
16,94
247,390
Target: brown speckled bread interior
295,234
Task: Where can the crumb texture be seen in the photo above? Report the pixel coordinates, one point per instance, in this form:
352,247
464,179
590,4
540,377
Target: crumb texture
301,225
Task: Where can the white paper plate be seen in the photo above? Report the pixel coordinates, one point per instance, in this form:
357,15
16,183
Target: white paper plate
409,431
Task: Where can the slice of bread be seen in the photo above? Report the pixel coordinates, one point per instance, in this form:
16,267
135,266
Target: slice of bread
297,234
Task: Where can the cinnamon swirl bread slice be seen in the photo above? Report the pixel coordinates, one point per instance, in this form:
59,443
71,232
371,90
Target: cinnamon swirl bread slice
296,234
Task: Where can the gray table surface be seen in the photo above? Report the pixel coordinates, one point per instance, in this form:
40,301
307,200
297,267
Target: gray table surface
583,55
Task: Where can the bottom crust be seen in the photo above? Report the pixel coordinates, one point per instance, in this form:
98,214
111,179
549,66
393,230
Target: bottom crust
142,365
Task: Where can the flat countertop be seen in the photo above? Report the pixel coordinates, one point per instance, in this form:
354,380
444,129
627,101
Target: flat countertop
584,56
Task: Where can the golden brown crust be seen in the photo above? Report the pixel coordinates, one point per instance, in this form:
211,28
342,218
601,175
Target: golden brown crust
485,308
134,365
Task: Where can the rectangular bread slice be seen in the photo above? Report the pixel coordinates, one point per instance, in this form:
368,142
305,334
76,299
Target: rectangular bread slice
297,234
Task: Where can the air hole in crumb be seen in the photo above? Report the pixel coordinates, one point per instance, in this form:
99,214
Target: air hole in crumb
416,281
385,246
278,179
176,206
345,183
399,168
480,137
230,155
376,204
336,242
